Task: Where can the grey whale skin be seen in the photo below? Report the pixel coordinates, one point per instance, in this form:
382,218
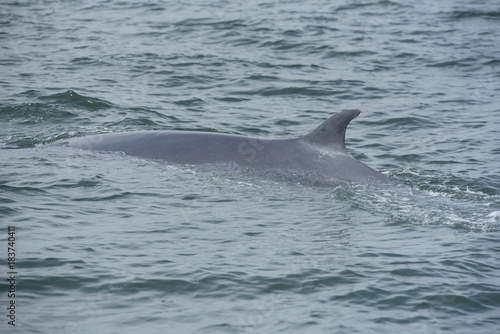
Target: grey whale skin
320,153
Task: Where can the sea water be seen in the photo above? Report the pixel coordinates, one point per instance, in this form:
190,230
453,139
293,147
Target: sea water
107,243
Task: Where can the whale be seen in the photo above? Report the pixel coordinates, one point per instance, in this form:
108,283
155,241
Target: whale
320,153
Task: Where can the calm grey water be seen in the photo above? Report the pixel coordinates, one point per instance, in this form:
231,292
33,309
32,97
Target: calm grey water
107,243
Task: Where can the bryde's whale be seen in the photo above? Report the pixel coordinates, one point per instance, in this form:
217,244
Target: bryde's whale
320,153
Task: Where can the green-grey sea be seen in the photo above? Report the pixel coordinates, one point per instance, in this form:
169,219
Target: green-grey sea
108,243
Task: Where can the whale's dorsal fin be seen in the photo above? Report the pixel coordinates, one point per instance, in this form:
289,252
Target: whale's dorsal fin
332,131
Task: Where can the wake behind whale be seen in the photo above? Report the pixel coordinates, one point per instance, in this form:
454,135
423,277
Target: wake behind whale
321,153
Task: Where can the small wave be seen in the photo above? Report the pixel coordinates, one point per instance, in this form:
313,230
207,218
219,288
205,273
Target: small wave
73,99
274,91
469,14
32,112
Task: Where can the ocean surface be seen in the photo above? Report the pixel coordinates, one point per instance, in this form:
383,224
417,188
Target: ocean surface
108,243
